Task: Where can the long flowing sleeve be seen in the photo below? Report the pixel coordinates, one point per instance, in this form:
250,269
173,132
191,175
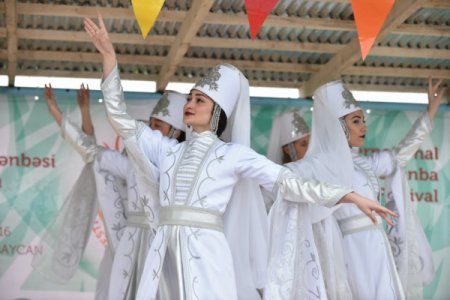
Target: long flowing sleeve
64,241
385,163
115,163
411,250
84,144
406,149
116,109
142,143
286,184
297,189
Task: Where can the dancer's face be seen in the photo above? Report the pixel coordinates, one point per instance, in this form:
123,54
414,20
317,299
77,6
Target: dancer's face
300,146
162,126
357,129
198,111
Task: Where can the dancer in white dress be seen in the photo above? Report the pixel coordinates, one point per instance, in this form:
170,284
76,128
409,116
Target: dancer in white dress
353,247
129,206
191,257
289,137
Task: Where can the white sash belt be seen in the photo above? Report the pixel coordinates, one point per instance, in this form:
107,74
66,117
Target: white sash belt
190,216
358,223
137,219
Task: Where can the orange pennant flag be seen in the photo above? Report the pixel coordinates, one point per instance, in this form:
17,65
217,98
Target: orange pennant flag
146,12
369,18
257,12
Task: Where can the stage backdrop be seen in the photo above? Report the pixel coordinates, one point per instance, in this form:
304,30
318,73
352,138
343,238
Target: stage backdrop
38,169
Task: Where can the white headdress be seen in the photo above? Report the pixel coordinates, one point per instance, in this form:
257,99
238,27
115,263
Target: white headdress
170,109
286,128
229,88
328,143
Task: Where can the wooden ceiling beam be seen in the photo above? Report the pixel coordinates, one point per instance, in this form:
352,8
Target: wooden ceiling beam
84,57
3,54
350,54
165,40
428,30
80,36
397,72
229,19
11,33
191,24
52,10
385,88
3,33
426,4
228,43
87,57
185,79
410,52
83,74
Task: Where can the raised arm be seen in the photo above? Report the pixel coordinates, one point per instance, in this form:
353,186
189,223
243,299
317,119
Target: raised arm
99,36
51,104
83,99
406,149
122,123
435,92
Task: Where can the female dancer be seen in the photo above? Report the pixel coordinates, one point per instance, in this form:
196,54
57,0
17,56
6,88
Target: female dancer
129,205
363,252
190,256
289,138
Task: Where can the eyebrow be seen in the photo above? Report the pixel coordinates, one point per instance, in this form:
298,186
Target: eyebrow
356,117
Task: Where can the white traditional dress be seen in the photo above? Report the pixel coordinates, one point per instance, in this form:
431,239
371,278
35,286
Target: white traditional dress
372,269
65,239
355,255
190,257
141,222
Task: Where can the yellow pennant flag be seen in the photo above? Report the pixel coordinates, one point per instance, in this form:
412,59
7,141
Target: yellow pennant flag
146,12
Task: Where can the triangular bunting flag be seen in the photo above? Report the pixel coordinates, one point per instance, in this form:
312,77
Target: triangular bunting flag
146,12
369,18
257,12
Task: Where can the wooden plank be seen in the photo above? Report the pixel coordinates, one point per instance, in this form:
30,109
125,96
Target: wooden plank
11,30
191,24
397,72
348,55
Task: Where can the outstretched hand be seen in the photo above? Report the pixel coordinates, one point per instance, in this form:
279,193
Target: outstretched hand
49,96
99,35
435,92
83,96
368,206
51,103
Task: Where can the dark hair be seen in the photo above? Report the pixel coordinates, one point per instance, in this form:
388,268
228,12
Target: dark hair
222,123
181,137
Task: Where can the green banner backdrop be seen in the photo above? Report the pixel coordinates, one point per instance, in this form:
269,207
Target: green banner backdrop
37,170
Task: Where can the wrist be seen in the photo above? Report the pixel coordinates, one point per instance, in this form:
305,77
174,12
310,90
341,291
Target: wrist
349,198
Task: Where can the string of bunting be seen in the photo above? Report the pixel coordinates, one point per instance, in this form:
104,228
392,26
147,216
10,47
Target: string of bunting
369,15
